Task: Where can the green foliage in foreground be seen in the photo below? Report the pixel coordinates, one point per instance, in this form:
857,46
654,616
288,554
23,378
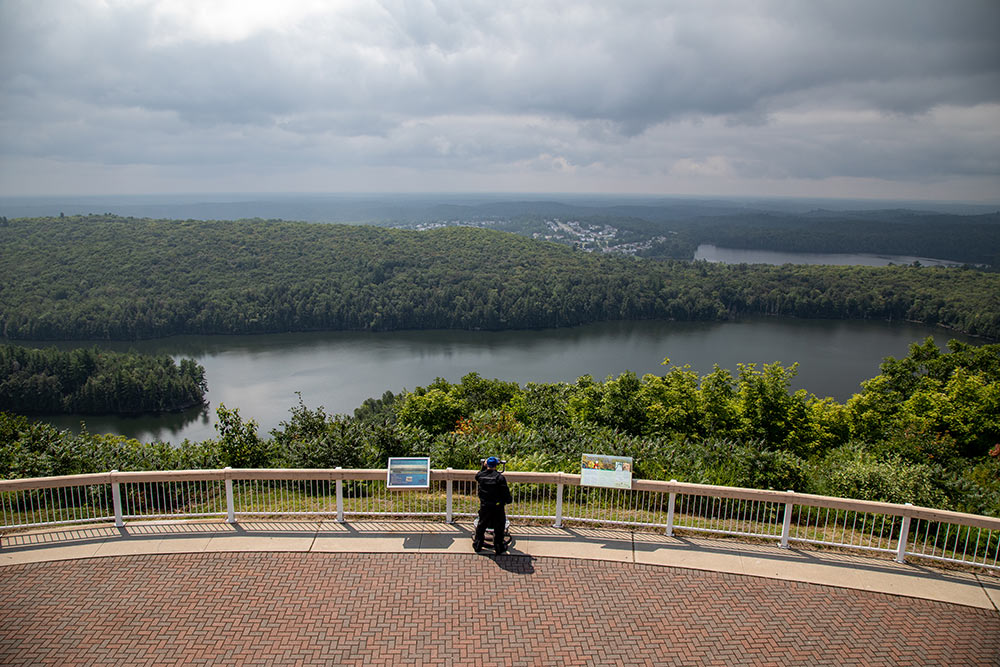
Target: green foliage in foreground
170,277
92,381
923,431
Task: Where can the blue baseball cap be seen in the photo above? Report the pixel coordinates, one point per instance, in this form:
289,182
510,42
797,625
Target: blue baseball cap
492,461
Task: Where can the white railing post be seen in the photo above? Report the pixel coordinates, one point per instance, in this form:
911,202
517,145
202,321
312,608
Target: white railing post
116,500
786,524
671,504
904,534
230,505
340,498
559,501
449,516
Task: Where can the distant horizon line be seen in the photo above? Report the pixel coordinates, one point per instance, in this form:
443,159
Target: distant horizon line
250,196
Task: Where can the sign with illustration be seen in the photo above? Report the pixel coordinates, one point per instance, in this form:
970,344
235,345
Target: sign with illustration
412,472
613,472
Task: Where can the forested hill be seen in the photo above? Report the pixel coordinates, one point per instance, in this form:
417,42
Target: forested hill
104,277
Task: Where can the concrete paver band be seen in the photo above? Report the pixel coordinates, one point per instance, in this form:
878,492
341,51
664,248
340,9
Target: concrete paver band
364,609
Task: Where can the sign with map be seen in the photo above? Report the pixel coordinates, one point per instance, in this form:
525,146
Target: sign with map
409,472
613,472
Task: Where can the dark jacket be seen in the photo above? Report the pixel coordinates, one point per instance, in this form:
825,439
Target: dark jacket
493,489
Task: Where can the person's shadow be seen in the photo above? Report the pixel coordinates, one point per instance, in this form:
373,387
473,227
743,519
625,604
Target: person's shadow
515,563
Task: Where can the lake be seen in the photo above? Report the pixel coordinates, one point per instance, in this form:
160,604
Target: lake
261,374
711,253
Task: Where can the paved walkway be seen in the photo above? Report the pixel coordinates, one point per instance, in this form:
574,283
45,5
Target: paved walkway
401,593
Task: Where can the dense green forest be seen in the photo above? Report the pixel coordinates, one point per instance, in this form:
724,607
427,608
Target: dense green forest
104,277
926,430
91,381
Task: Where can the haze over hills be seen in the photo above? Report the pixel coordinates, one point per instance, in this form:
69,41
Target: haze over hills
382,208
653,227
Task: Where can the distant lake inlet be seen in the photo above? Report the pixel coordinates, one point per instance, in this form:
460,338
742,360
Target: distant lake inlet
711,253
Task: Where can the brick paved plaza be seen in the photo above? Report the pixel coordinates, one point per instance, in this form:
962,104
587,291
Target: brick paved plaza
355,608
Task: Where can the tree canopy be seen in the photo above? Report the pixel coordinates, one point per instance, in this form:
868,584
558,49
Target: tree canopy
92,381
104,277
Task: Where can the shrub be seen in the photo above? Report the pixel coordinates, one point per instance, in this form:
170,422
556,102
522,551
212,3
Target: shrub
239,443
852,472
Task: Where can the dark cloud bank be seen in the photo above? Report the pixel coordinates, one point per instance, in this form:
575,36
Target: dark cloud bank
895,99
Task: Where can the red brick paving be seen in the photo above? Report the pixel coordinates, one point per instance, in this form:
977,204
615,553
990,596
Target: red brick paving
429,609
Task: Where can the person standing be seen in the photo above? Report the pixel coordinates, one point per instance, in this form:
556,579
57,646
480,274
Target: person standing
494,495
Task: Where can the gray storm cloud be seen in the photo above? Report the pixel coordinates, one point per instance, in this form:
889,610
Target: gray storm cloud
651,95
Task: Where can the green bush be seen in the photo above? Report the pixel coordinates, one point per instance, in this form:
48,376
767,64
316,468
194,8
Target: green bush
436,410
730,463
239,443
852,472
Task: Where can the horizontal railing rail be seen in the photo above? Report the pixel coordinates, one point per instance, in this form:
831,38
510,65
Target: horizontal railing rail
675,507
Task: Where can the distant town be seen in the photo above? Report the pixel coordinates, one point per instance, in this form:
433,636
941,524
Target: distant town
582,236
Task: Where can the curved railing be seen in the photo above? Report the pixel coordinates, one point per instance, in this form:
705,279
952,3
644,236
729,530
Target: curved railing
674,507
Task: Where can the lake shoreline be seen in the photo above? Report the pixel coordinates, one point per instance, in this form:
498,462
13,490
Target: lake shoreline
721,254
90,342
263,374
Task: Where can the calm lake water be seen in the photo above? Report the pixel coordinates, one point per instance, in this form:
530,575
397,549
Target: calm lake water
711,253
261,374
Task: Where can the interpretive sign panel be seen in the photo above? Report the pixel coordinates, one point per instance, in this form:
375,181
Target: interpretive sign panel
409,472
613,472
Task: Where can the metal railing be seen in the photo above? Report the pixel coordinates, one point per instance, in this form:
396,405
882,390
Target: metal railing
673,507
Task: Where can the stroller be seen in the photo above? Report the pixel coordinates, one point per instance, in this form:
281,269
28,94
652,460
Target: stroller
489,539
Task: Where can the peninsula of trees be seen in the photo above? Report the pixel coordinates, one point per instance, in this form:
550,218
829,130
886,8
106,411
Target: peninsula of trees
111,278
91,381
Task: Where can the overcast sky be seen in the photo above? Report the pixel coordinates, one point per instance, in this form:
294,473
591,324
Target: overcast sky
885,98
